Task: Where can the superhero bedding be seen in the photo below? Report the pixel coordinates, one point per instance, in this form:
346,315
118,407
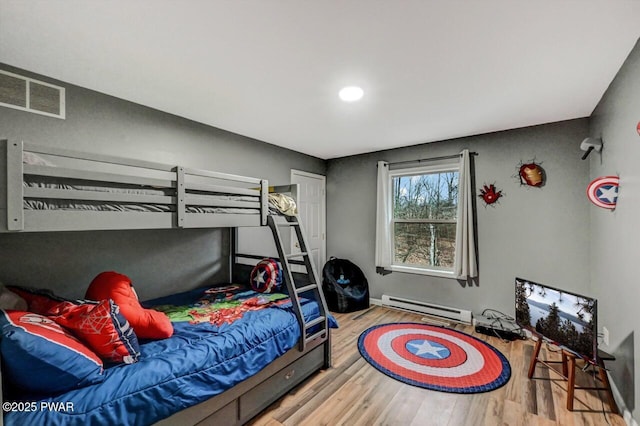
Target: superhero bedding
221,337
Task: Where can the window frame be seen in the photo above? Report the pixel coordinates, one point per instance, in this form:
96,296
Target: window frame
441,167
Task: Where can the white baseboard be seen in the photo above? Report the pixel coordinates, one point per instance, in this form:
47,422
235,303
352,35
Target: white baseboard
425,318
624,411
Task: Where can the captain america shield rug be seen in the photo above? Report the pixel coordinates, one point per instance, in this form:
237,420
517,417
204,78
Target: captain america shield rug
435,358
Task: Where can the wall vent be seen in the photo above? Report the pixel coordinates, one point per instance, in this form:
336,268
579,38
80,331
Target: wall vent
439,311
31,95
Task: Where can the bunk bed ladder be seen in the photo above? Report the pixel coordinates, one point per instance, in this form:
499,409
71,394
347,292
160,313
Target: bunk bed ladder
318,325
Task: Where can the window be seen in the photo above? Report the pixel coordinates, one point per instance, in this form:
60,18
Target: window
424,217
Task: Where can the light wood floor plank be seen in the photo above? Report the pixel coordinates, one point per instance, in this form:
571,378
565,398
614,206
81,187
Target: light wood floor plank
403,407
354,393
435,410
375,404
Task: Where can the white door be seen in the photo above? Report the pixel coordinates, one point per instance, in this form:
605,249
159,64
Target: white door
312,211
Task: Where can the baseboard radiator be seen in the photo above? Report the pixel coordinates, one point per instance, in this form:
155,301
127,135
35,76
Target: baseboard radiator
438,311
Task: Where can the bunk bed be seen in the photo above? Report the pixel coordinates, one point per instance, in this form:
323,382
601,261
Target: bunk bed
49,189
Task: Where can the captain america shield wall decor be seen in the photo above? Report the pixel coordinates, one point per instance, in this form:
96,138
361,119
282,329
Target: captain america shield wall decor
603,191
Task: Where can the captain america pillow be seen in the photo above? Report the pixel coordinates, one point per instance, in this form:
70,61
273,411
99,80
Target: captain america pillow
266,276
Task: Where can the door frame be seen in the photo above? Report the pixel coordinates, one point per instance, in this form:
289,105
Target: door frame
323,212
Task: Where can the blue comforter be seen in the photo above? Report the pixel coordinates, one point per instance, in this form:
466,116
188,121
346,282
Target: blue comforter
198,362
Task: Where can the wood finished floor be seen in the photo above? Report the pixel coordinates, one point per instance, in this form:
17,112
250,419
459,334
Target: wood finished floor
352,392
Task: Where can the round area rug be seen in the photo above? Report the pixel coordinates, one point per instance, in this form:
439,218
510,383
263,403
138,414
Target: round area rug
434,357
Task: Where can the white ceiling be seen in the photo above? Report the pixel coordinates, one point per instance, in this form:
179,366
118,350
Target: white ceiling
271,70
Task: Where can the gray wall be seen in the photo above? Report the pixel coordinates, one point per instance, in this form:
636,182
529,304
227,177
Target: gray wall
536,233
615,235
159,262
551,235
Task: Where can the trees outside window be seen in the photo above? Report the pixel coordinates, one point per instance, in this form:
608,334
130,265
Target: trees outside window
424,218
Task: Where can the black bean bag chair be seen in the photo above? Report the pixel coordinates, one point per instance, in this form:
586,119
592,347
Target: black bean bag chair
346,289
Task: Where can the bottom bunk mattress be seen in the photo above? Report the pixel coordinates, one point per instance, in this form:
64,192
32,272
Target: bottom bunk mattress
222,336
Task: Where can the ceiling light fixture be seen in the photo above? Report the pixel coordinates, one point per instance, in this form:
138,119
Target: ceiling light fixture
351,93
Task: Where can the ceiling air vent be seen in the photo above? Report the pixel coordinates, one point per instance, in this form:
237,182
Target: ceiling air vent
31,95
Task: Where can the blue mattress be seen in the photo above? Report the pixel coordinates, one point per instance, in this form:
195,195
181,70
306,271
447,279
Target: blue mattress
198,362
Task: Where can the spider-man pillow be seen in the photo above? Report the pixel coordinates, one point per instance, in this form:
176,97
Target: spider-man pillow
39,356
99,325
40,301
102,328
147,323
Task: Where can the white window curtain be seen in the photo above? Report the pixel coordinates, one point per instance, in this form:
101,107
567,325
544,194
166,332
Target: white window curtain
465,266
383,220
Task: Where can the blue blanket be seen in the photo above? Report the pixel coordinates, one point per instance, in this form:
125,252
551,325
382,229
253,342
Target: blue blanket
198,362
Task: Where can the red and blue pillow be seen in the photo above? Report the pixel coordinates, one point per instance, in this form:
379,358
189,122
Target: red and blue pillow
99,325
40,356
266,276
40,301
102,328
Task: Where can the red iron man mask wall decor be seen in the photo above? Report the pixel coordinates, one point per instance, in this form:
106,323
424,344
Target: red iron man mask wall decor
531,174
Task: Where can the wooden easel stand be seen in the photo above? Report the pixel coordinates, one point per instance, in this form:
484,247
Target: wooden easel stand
569,373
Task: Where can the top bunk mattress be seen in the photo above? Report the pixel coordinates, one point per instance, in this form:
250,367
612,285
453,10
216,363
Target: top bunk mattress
54,189
86,205
279,204
208,354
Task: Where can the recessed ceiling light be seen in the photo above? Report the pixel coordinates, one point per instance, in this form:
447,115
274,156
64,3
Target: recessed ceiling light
351,93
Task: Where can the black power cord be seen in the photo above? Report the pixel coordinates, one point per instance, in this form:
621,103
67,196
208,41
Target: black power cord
595,385
496,323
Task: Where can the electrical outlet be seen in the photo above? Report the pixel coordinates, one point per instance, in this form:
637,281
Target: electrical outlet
605,336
